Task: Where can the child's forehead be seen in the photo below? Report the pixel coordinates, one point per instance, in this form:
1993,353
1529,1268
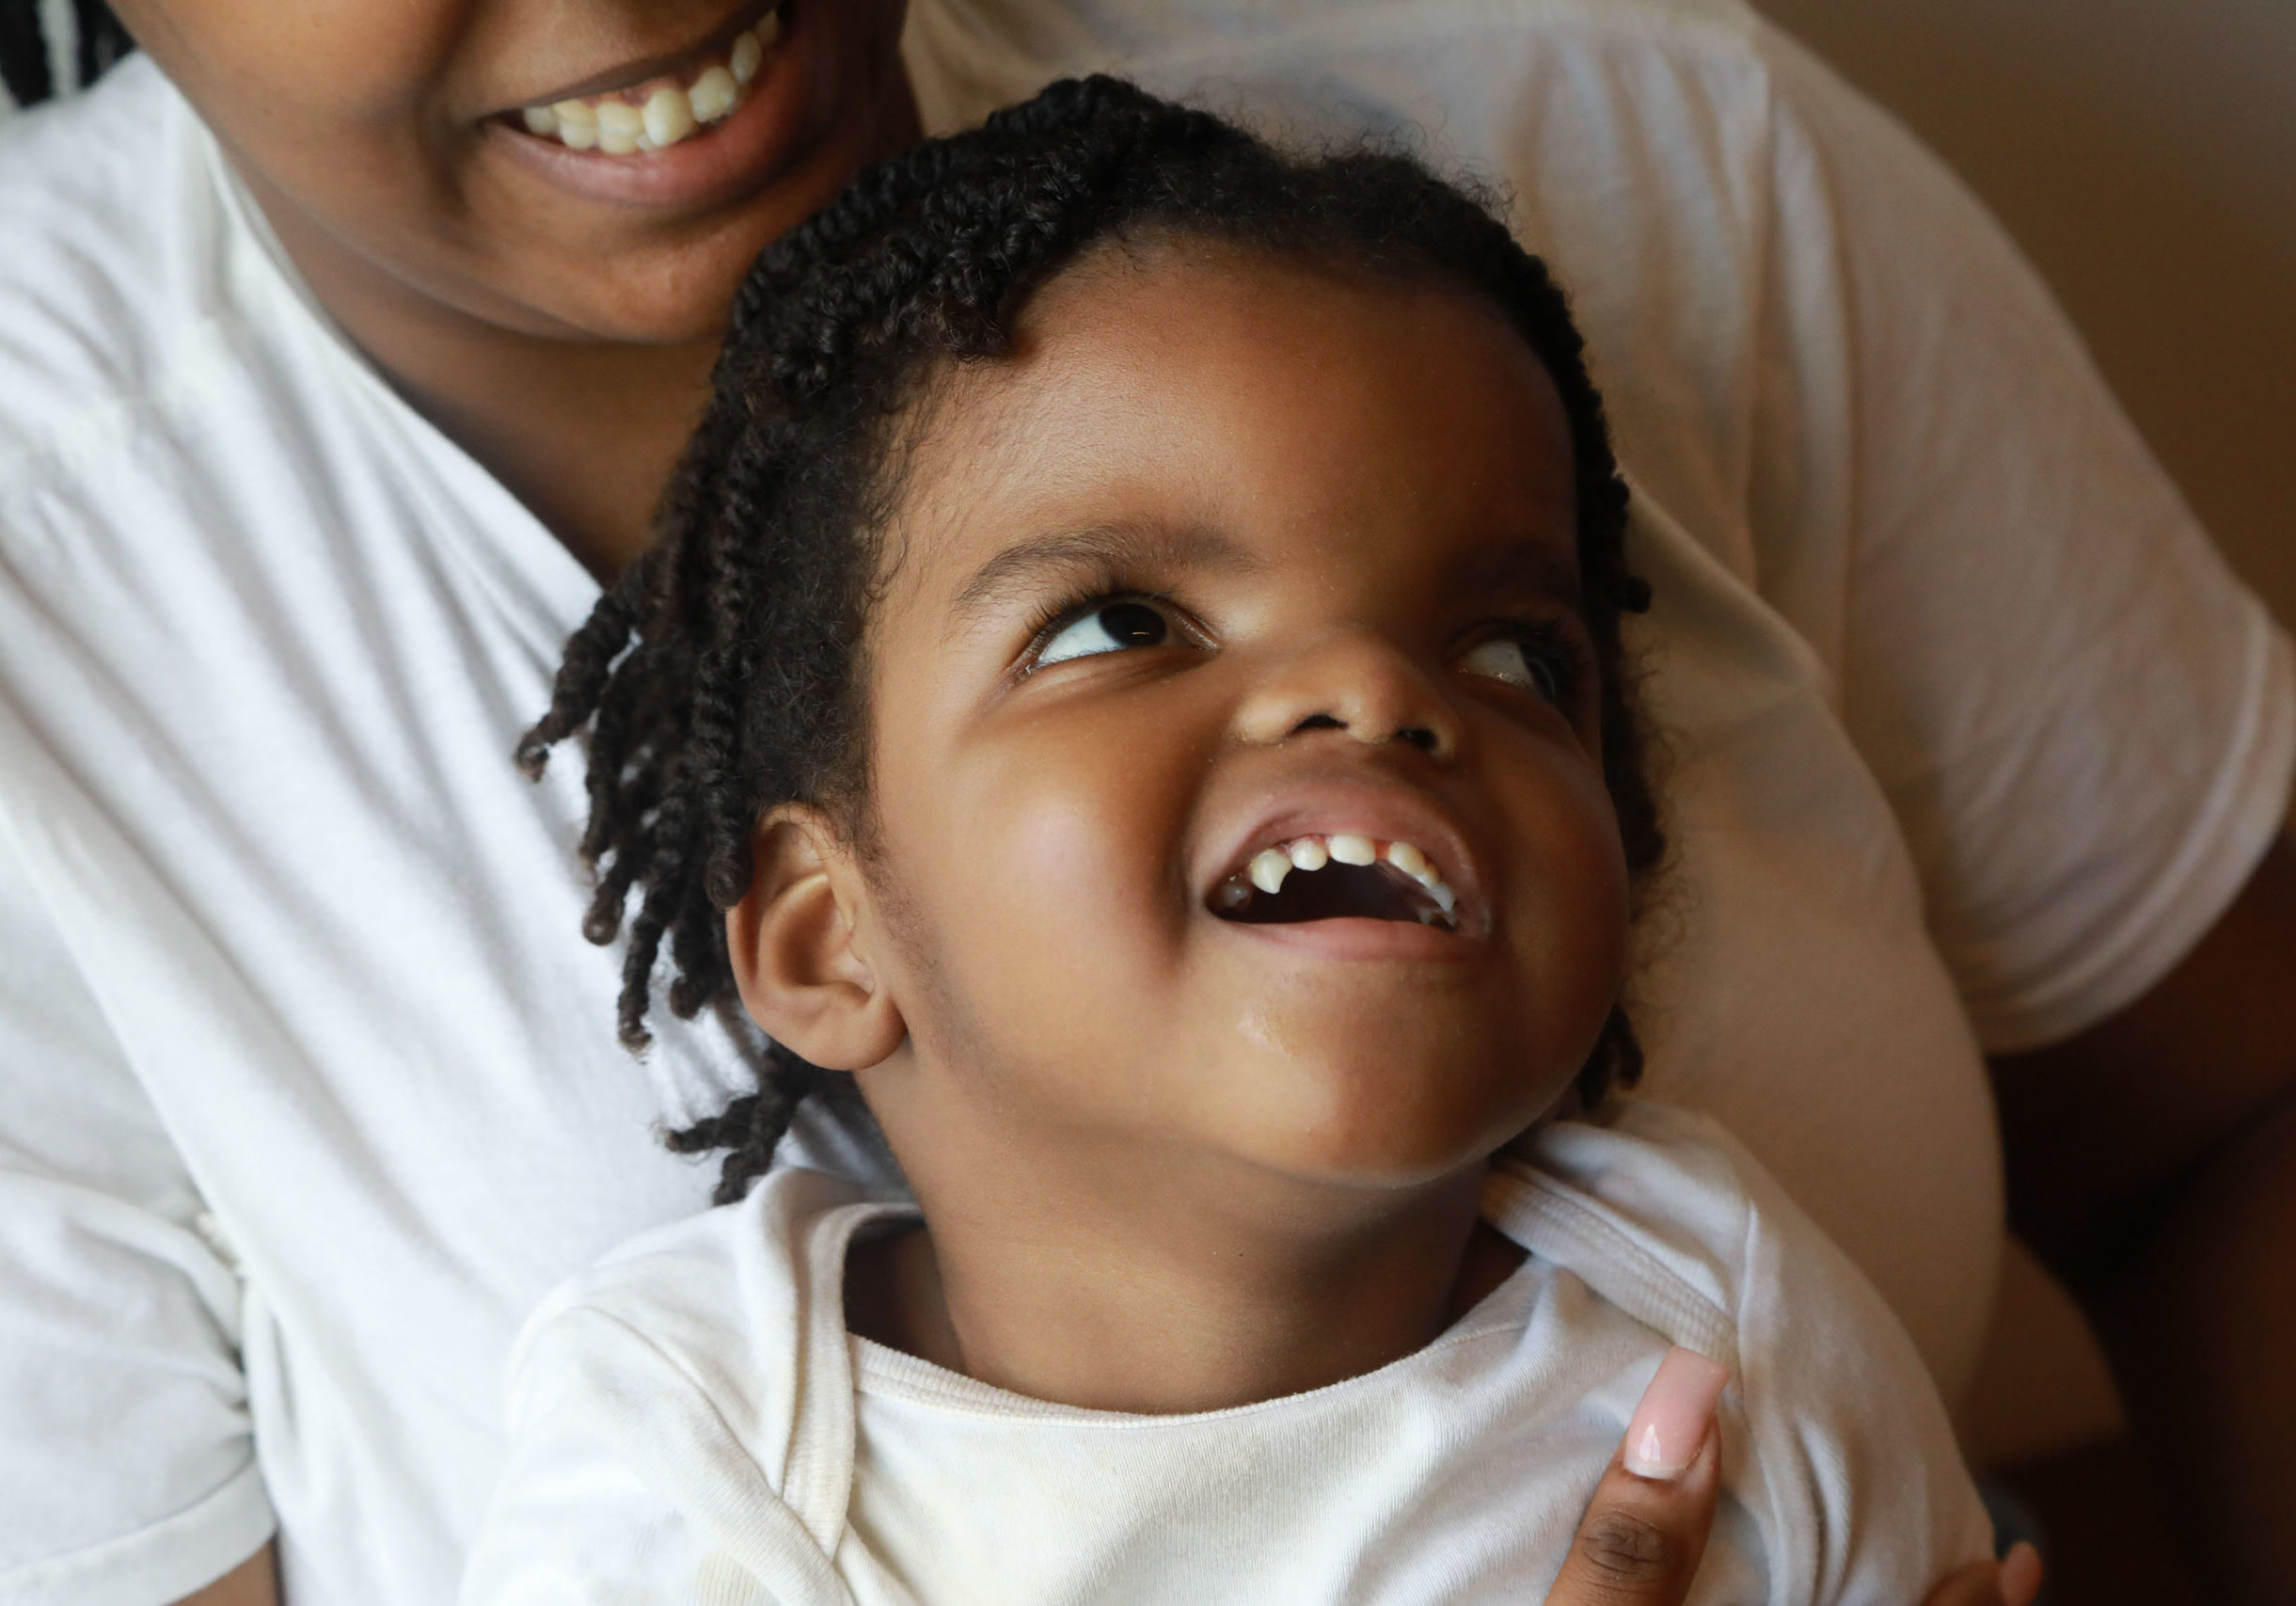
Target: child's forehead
1156,287
1222,388
1165,319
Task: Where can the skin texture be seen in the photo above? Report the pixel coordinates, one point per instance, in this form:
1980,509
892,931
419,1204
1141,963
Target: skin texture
565,344
1171,1161
565,340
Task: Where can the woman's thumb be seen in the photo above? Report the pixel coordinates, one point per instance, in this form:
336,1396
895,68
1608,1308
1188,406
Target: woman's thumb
1645,1530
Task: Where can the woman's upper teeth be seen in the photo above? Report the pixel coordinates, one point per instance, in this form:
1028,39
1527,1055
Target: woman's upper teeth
661,111
1270,865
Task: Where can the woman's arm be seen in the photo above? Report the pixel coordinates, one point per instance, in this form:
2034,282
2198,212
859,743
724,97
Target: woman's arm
2152,1164
254,1583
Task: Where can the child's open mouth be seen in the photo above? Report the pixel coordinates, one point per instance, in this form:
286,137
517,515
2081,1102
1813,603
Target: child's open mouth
667,107
1338,877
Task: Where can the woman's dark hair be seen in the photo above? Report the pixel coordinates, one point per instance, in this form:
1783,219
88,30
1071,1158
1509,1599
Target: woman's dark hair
719,675
25,63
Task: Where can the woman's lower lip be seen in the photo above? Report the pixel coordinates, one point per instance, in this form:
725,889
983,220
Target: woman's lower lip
720,164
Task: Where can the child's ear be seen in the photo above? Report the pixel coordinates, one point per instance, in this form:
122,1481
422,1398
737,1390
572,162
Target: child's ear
790,940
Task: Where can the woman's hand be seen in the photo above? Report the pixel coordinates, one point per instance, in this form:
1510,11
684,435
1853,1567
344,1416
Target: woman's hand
1645,1530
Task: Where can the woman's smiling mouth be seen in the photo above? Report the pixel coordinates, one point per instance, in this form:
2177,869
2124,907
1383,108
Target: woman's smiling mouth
662,107
693,129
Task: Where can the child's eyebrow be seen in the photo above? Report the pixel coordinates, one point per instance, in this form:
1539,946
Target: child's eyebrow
1533,566
1125,549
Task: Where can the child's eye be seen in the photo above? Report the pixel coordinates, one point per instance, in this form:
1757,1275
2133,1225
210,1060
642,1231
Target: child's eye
1110,627
1503,659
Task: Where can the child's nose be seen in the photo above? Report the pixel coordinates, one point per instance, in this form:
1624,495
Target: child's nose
1357,684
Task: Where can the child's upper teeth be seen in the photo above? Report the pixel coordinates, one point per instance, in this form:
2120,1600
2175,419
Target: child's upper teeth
1267,870
661,113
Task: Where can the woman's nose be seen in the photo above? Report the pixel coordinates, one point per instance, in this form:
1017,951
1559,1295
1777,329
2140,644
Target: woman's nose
1356,684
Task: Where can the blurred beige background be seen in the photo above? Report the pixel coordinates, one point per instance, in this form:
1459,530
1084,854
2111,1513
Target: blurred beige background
2143,154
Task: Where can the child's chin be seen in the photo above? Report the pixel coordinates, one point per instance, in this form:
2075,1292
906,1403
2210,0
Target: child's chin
1367,1126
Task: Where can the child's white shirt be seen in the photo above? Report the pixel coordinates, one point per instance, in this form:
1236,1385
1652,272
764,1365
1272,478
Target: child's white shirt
691,1421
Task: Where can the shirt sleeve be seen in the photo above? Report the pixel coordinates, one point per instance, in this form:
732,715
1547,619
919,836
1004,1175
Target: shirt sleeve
1864,1482
2083,722
127,1466
624,1481
1836,1447
572,1523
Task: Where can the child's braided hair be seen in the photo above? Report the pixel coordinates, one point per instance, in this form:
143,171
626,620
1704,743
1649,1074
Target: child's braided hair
28,57
717,677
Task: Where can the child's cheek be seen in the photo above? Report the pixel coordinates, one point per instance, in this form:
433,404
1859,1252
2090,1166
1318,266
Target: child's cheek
1064,851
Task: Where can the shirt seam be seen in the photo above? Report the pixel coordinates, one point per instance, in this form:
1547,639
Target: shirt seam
1689,1309
879,1375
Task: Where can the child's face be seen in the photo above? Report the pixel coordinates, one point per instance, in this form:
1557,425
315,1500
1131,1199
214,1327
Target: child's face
1234,555
394,130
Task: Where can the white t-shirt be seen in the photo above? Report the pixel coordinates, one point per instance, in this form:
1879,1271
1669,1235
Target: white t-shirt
308,1086
691,1421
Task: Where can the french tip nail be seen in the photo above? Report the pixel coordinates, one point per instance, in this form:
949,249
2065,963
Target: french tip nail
1671,1425
1649,1458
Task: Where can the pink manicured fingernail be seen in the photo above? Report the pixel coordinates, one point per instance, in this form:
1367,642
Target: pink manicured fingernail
2020,1575
1677,1408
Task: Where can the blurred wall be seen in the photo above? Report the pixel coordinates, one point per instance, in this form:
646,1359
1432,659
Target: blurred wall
2144,154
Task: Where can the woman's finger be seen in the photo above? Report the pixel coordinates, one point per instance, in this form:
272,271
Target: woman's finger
2013,1580
1645,1530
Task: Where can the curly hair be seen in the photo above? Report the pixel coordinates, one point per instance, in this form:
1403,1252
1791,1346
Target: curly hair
719,675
